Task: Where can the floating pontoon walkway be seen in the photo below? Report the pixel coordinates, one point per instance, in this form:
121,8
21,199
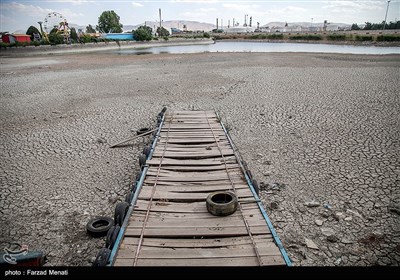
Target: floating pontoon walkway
168,223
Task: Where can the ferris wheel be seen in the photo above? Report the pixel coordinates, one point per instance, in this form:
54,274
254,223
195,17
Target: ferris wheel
55,20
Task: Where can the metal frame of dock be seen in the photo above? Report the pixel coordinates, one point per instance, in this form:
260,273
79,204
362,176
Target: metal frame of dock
167,223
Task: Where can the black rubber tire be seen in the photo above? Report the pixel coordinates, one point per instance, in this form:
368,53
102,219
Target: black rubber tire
255,186
134,187
102,257
249,174
112,236
120,212
221,203
109,235
245,166
142,160
146,151
142,130
99,226
129,197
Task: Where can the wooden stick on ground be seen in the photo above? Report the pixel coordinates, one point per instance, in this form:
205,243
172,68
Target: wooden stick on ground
133,138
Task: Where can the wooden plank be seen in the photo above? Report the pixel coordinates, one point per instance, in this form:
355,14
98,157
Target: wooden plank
197,219
188,141
192,112
193,137
182,197
191,162
197,168
194,133
165,129
191,155
195,231
136,222
201,262
193,207
171,191
195,174
184,146
151,181
198,243
224,178
181,149
139,214
192,188
128,251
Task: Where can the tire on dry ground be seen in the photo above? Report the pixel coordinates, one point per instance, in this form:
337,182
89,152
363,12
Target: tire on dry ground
142,130
255,186
142,160
120,212
129,197
112,235
146,150
102,257
99,226
222,203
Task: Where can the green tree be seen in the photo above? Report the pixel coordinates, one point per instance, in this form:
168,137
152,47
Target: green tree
368,26
355,26
31,30
162,32
143,33
90,29
74,35
393,25
109,23
55,38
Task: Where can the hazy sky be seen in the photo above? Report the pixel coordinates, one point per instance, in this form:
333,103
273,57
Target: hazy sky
19,15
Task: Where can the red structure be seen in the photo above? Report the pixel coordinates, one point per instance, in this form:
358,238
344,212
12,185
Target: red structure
12,38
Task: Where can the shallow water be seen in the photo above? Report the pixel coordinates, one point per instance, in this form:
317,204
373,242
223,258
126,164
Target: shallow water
263,47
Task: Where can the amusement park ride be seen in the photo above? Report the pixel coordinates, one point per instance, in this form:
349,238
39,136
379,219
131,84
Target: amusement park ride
55,21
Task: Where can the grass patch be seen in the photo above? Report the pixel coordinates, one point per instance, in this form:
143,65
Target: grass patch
308,37
265,36
336,37
275,36
363,38
388,38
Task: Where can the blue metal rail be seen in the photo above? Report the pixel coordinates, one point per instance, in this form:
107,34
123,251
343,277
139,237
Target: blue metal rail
134,199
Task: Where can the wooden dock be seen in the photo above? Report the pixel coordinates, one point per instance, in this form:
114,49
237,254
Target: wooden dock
168,223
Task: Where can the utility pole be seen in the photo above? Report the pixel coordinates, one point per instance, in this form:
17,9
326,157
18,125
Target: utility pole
222,23
159,12
387,9
229,23
217,24
233,22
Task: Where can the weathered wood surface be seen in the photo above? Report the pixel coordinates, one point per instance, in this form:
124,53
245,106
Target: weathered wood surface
190,161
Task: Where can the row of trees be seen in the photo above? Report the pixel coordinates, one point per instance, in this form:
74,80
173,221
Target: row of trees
377,26
109,23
